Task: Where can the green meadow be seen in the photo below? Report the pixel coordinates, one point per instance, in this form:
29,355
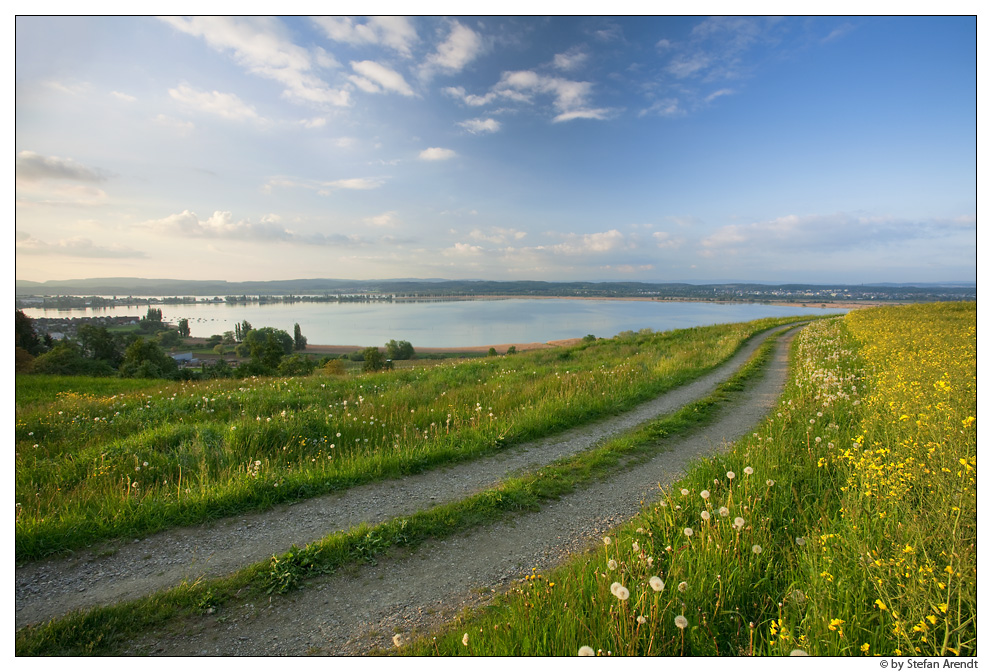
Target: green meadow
844,525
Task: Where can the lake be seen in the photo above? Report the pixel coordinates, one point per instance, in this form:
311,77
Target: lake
454,323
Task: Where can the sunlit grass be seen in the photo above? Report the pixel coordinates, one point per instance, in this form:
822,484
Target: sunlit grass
845,525
105,463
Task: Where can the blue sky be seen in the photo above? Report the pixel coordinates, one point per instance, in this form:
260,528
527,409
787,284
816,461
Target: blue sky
693,149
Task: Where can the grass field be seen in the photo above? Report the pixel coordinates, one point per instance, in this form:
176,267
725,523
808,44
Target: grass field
845,526
101,462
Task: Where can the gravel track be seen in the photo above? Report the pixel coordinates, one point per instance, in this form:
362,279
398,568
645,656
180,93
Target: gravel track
359,608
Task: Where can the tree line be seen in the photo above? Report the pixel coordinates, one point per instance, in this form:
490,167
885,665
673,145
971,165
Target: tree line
142,353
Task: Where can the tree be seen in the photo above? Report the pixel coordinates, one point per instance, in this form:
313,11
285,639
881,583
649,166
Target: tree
169,339
184,328
297,365
67,359
241,330
374,360
145,358
492,352
266,346
99,343
399,350
25,335
512,350
214,341
151,322
299,340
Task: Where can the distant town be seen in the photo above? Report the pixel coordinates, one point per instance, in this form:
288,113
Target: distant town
128,292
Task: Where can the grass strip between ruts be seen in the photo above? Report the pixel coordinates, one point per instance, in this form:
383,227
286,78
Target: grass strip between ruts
107,630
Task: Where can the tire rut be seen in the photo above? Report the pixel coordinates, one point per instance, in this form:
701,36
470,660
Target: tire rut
127,570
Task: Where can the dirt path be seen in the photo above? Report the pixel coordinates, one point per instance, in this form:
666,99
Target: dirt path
363,606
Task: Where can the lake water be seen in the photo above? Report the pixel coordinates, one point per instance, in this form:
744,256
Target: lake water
454,323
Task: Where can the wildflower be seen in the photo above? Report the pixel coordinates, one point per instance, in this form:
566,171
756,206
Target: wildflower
769,482
614,586
880,605
586,651
465,639
705,494
705,515
611,563
635,547
687,531
606,541
800,652
800,541
683,586
622,593
756,549
684,492
865,647
724,512
657,585
738,522
397,640
748,471
731,475
680,622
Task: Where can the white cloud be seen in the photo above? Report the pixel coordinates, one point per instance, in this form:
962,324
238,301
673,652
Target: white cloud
498,235
463,250
716,94
375,78
824,233
261,46
226,105
451,56
665,240
31,166
222,225
359,183
395,32
458,93
591,243
386,219
669,107
480,125
123,97
73,247
437,154
570,97
179,126
571,59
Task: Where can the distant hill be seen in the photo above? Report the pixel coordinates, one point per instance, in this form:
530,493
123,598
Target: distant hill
137,287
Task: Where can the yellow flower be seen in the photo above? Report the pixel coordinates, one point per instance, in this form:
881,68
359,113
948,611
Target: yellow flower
865,647
880,604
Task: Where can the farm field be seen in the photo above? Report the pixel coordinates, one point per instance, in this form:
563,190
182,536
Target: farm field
674,542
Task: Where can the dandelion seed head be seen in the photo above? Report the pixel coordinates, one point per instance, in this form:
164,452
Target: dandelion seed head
748,471
622,593
657,585
465,639
681,622
724,511
684,492
705,515
611,563
731,475
738,522
641,620
687,531
606,541
683,586
705,494
397,640
586,651
769,482
756,549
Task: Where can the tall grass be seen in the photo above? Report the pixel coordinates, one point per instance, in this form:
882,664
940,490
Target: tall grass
845,525
104,464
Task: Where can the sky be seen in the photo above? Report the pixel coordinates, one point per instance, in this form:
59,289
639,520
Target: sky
827,150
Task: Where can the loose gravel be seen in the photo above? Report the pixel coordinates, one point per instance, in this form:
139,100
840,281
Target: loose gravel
359,608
